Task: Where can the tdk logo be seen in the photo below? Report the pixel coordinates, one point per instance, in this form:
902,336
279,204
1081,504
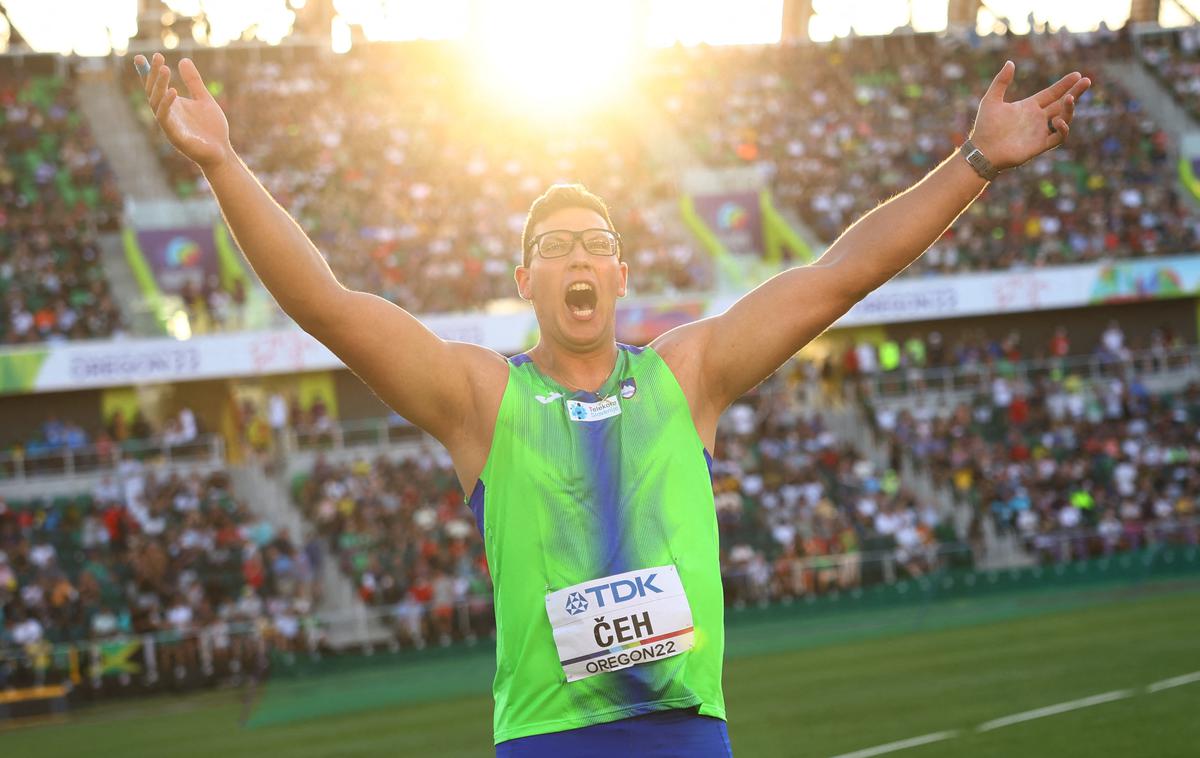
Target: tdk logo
621,590
576,604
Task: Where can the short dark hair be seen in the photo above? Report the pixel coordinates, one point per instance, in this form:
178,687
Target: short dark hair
556,198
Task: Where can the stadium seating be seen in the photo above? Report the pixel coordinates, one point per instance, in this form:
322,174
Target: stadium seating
894,365
406,198
1075,466
843,127
142,553
56,195
799,513
401,529
1172,58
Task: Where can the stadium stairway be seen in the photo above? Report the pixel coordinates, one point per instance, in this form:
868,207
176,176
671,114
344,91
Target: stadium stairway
664,141
134,160
802,229
136,313
999,550
347,620
850,425
139,174
1159,103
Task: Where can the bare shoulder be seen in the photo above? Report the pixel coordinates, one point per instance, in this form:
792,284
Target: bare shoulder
487,376
683,350
487,373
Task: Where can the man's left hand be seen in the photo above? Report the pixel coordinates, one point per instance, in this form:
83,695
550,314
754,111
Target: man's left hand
1009,134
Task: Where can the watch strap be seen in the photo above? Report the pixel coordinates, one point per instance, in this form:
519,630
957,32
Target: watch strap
978,161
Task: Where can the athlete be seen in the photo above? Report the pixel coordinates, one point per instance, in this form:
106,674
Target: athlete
587,462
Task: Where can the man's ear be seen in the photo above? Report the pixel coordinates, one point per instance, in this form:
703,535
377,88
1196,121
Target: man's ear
524,285
624,279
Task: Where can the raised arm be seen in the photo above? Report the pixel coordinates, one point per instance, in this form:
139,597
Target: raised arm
741,347
429,381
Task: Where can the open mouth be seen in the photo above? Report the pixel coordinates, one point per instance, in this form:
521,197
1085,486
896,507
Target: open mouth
581,300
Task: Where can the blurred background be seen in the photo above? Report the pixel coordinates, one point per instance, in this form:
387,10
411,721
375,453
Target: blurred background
963,519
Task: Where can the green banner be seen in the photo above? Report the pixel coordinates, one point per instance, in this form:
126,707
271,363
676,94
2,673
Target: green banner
19,370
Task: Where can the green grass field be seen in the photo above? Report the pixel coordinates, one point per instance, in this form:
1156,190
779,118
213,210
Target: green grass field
827,685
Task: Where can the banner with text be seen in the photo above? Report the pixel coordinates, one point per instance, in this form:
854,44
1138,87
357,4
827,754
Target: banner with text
114,363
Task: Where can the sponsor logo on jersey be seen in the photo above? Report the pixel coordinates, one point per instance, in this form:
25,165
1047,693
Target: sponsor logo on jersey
597,411
547,399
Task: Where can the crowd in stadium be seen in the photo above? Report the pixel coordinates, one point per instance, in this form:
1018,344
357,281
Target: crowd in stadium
263,426
1173,58
975,349
405,198
168,553
1074,468
133,435
408,201
843,127
798,511
56,194
801,512
400,528
212,307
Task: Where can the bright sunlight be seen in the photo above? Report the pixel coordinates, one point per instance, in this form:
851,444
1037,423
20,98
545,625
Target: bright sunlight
550,56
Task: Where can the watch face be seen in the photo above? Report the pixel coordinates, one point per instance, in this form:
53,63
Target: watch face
980,163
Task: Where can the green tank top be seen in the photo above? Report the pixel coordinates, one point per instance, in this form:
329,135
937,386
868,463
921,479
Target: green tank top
573,493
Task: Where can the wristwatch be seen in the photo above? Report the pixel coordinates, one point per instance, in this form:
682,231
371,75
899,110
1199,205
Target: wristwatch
978,161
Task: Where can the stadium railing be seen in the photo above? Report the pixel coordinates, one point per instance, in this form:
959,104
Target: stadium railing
1065,545
20,467
339,435
978,377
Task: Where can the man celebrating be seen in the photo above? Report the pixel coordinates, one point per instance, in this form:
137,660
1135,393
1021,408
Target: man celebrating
587,461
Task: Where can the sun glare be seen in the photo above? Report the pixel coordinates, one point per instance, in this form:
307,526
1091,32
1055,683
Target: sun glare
536,53
547,56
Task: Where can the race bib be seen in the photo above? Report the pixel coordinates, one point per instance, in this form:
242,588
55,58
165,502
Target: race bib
620,621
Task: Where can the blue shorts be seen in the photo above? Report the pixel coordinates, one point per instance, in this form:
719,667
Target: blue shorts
662,734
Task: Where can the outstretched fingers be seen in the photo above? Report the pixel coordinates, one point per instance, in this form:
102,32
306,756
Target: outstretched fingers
1061,130
1059,116
1061,112
1080,87
1058,89
164,105
191,77
162,78
999,85
148,70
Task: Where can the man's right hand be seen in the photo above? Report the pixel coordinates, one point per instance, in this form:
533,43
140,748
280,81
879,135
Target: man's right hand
197,126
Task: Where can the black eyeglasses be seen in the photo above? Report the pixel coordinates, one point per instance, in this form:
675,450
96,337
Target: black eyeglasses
559,242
